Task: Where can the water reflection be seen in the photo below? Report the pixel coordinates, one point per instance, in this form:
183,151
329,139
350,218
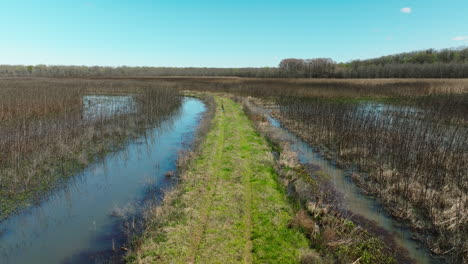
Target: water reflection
81,216
105,106
352,199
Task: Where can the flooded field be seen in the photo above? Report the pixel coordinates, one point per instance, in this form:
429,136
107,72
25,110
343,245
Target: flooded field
409,153
103,106
352,198
82,221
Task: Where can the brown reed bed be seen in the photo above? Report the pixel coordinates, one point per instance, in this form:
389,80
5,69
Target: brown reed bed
48,134
407,138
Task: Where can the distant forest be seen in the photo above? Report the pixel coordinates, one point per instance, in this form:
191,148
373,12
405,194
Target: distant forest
447,63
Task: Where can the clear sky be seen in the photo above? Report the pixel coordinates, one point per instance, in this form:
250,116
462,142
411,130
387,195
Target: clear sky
221,33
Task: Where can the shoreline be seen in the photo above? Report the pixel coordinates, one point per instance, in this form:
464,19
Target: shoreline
217,203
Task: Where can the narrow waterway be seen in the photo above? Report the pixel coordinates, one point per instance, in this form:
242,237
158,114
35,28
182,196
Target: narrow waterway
354,200
78,223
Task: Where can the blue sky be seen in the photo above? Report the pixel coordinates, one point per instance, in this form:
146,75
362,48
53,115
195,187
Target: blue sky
209,33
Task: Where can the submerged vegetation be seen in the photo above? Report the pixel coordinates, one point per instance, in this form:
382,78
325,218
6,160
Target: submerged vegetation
414,159
50,129
405,140
334,235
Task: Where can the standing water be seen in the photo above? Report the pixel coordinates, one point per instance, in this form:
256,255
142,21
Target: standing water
79,218
103,106
354,200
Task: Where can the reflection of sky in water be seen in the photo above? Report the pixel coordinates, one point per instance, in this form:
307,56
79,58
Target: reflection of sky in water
77,218
387,113
353,199
104,106
379,108
413,118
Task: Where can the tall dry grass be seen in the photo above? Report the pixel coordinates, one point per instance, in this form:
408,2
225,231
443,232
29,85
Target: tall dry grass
320,87
46,136
414,160
411,141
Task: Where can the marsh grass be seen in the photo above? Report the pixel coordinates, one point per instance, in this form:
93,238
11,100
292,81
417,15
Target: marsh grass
342,88
406,137
414,161
335,237
45,137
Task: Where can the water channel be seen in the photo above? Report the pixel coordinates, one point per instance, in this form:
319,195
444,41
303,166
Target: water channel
78,222
354,200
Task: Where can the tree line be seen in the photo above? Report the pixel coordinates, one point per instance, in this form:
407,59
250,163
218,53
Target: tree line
122,71
446,63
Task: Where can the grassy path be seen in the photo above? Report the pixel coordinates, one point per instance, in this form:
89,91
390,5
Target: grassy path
231,208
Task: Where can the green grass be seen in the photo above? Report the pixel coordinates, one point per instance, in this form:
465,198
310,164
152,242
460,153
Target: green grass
229,207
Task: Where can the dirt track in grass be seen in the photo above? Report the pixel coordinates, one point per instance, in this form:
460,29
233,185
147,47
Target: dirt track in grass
229,207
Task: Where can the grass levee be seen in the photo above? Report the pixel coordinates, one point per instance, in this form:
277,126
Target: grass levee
229,206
